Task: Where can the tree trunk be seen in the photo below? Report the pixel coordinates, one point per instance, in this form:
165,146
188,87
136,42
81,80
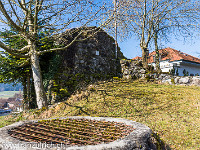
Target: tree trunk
25,94
144,57
28,90
41,98
157,61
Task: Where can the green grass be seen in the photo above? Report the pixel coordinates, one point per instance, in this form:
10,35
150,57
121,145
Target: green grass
8,94
4,121
172,112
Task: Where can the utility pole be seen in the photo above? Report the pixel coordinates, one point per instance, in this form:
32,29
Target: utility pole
115,13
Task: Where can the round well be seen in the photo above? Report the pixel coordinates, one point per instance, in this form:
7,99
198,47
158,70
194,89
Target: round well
109,133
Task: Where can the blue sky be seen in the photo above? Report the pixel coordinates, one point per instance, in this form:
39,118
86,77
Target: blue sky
131,47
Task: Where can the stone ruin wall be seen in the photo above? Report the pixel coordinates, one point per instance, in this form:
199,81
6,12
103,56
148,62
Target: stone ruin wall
85,61
94,55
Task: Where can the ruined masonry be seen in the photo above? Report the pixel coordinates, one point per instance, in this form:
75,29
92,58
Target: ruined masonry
95,54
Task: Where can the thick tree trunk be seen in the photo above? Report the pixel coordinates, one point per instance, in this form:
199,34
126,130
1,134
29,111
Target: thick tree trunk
37,78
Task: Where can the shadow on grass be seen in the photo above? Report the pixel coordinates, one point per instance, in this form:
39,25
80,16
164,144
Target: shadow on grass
80,108
160,144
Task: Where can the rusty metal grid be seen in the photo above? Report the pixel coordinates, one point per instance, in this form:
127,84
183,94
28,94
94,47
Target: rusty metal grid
71,131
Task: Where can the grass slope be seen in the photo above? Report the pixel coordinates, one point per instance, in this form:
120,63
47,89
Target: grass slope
172,112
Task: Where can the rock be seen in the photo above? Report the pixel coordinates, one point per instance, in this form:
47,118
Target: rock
132,65
166,77
195,81
127,77
122,61
167,81
176,80
137,68
184,80
143,76
127,64
134,71
162,76
142,71
126,72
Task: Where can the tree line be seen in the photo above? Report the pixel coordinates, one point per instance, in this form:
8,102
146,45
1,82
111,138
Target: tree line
31,27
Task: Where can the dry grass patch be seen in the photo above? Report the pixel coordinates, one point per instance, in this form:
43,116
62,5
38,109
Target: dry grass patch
171,111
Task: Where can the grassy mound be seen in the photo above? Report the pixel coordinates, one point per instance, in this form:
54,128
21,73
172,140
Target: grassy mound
172,112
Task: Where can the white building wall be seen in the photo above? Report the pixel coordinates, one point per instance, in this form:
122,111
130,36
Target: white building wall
165,66
192,68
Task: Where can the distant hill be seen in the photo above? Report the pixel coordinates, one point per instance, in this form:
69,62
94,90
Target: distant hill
10,87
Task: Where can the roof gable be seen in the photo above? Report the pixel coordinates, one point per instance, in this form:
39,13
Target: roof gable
173,55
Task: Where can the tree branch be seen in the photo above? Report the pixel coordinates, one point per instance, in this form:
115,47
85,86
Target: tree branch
24,49
12,51
23,8
40,5
63,48
27,62
11,22
14,12
36,16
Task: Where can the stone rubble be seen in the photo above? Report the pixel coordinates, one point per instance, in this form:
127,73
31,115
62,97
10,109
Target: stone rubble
132,69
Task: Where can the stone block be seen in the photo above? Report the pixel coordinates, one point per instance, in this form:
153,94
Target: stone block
176,80
167,81
184,80
195,81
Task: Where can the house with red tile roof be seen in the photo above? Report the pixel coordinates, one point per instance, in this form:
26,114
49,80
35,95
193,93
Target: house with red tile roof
171,58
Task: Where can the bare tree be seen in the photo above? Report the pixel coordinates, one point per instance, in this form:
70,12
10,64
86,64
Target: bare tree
133,18
29,17
172,18
151,19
